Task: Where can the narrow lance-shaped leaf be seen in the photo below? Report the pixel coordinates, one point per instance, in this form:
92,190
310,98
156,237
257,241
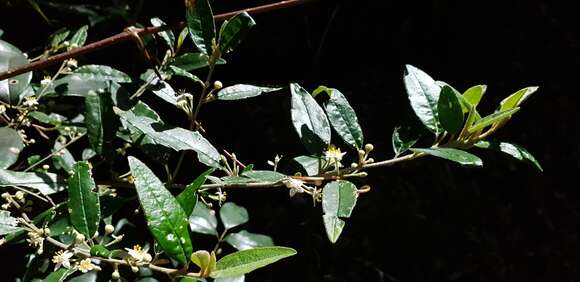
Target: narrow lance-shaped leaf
498,117
474,94
245,240
234,30
243,91
10,146
338,201
309,120
101,73
59,275
200,24
11,57
513,150
101,122
343,119
83,204
243,262
45,183
459,156
233,215
516,99
450,111
423,94
188,198
165,218
80,37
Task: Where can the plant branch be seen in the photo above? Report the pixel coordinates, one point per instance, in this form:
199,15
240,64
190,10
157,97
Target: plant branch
55,152
129,35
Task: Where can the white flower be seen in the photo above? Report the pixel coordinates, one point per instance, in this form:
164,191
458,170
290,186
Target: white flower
30,101
295,186
62,258
2,109
333,154
138,254
86,265
47,80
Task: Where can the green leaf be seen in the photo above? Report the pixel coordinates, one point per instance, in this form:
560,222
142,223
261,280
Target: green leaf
10,89
233,215
240,278
243,262
517,98
513,150
188,198
200,24
450,111
234,30
203,220
339,198
75,85
100,251
101,73
45,183
461,157
58,37
183,73
59,275
192,61
181,38
175,138
423,94
80,37
205,261
401,140
165,218
83,204
164,91
101,123
309,120
310,164
474,94
343,119
63,159
8,224
188,279
10,146
243,91
265,175
245,240
491,119
333,226
167,35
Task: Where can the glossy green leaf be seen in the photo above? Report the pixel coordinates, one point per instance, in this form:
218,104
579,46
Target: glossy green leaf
8,224
516,99
241,278
236,180
474,94
183,73
181,38
309,120
234,30
164,91
333,226
265,175
80,37
402,140
205,261
339,198
101,73
75,85
10,146
59,275
63,159
450,111
311,165
245,240
58,37
233,215
461,157
343,119
203,220
100,251
188,198
243,262
83,204
167,35
243,91
187,279
11,57
513,150
491,119
200,24
45,183
101,123
175,138
423,94
192,61
165,218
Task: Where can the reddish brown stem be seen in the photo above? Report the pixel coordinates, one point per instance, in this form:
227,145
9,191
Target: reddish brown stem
125,36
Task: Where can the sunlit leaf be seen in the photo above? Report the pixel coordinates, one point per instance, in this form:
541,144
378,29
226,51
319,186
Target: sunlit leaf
233,215
101,123
10,146
203,220
309,120
243,91
450,111
497,117
245,240
513,150
200,24
11,57
265,175
45,183
8,224
456,155
188,198
101,73
423,94
83,204
343,119
80,37
234,30
167,35
243,262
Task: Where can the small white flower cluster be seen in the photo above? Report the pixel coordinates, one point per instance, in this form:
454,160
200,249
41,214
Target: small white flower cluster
295,185
139,256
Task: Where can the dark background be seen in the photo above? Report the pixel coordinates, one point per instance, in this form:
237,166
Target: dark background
428,220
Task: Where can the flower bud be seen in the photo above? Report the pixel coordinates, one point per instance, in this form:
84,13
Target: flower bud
218,85
109,229
115,275
79,238
19,195
369,147
45,166
134,269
